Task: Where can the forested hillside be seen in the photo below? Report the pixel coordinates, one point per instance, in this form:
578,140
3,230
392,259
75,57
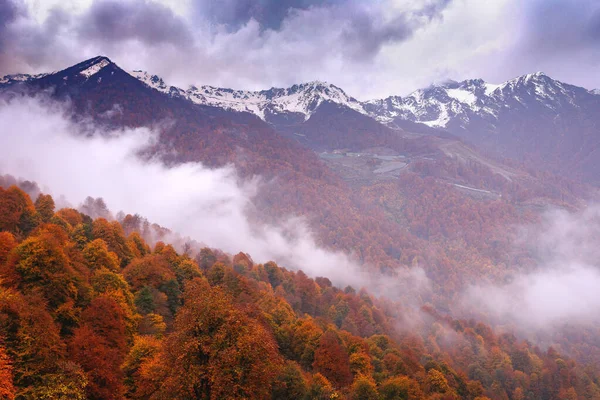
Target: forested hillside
88,309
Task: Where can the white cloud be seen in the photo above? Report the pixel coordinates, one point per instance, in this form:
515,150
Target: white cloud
388,47
563,287
39,142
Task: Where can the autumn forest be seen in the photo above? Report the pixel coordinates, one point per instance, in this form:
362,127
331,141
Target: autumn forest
88,309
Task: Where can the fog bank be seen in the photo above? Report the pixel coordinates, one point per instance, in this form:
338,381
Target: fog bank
563,288
39,142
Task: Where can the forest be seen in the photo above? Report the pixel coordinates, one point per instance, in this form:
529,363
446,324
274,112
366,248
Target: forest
91,309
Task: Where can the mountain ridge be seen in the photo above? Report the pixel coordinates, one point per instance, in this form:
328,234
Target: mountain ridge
435,106
532,119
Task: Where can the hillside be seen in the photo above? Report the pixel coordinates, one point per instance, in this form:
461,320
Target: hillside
89,310
356,193
532,119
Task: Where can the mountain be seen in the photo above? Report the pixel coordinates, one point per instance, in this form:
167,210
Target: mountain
533,119
343,169
300,183
297,102
101,89
397,198
318,115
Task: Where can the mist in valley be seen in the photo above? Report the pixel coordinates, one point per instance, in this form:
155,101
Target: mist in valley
74,160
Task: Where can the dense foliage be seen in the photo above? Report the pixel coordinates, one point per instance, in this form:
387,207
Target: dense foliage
88,311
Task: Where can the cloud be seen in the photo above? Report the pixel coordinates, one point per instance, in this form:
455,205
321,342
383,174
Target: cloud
40,142
563,287
8,14
270,14
555,27
559,37
369,48
235,43
111,21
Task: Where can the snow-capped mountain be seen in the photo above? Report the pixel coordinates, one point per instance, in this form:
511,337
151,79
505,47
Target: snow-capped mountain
301,99
435,106
80,73
16,78
451,105
532,118
457,104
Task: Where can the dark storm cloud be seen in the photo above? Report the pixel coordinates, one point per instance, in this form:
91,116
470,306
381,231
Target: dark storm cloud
559,37
325,30
106,27
146,21
260,43
364,26
268,13
8,12
367,28
365,32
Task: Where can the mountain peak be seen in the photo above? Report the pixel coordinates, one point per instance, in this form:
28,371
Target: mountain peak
91,66
97,59
317,83
534,77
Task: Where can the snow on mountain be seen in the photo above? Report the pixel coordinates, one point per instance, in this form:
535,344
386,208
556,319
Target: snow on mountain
459,102
449,105
82,71
95,67
10,79
438,106
301,99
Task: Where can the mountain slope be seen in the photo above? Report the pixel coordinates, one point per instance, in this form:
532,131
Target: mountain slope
297,102
390,199
296,181
339,192
112,317
533,119
100,89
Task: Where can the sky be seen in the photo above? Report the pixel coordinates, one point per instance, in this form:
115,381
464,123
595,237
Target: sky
371,49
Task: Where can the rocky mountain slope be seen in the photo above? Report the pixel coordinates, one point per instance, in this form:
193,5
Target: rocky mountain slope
533,119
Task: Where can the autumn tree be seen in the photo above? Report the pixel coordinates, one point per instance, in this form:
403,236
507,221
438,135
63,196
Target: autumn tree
7,390
42,265
400,388
331,360
97,255
112,233
7,243
364,388
99,346
217,351
31,339
143,349
17,212
289,383
44,205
